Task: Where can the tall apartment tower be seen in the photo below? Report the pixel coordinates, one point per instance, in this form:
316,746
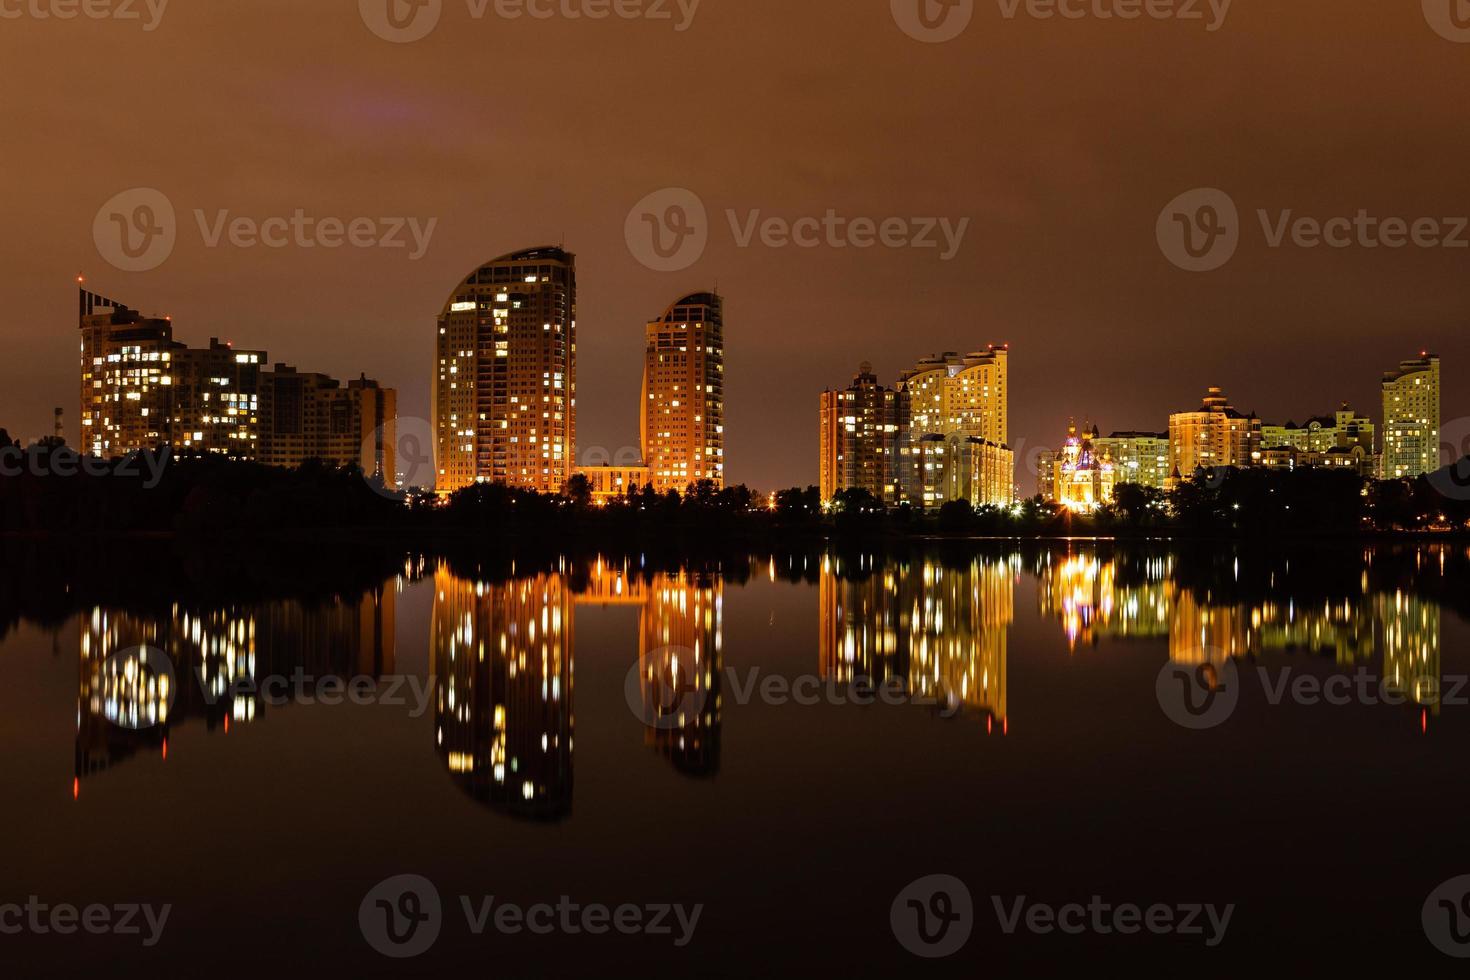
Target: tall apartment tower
505,392
958,443
1214,436
308,416
684,394
862,428
1411,418
141,389
951,394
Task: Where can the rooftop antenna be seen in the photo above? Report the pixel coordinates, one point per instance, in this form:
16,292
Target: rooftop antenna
58,433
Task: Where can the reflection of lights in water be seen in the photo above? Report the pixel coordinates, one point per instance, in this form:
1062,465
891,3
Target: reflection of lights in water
939,633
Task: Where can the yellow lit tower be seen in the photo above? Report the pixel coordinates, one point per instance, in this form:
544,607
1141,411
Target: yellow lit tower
683,413
1411,419
958,444
505,388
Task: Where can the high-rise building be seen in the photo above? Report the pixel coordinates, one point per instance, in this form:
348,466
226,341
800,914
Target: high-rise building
965,396
1411,418
141,389
950,393
1138,457
505,393
312,416
1214,436
684,393
862,429
957,467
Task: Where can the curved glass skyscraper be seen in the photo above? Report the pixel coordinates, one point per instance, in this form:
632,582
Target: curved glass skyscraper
505,391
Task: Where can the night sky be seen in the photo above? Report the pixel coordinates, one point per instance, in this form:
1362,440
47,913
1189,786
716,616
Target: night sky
1060,140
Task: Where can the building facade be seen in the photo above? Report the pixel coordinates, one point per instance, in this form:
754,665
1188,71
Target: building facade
683,404
611,482
1323,433
957,467
505,388
1138,457
1411,419
141,389
950,395
1214,436
861,436
315,417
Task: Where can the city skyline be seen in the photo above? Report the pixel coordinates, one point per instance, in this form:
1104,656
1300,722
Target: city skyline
943,394
1062,180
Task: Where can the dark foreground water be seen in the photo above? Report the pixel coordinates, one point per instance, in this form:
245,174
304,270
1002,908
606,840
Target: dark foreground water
1210,758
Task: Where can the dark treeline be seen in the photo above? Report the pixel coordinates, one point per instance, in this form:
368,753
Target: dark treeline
47,490
1249,503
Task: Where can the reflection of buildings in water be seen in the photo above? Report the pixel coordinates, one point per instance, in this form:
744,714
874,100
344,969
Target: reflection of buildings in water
683,618
1344,629
680,620
1411,634
217,659
941,631
502,658
1083,592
